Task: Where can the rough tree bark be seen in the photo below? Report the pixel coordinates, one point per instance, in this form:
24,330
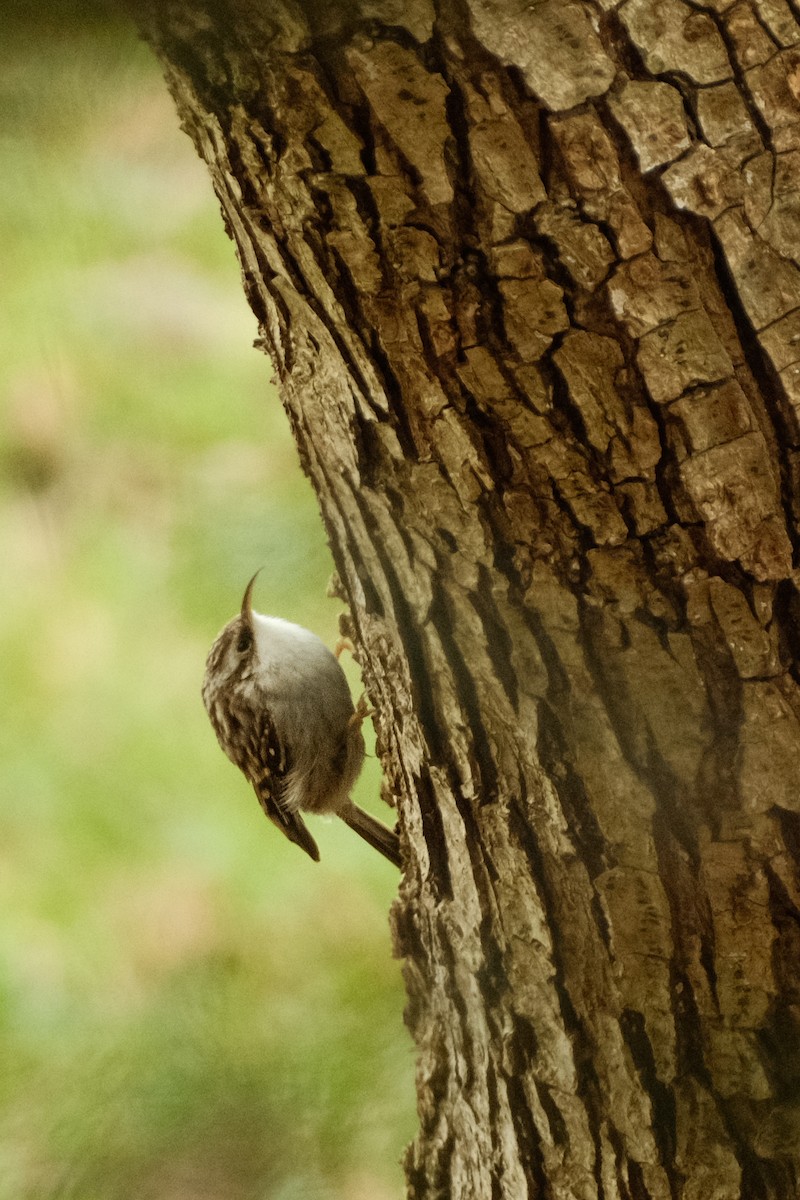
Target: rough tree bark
528,275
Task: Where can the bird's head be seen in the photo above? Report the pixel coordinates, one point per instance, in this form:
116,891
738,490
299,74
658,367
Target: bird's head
233,658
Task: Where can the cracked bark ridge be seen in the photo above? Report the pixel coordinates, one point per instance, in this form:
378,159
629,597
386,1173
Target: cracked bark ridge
529,278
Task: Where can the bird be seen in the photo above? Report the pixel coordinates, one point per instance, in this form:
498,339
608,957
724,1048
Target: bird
281,708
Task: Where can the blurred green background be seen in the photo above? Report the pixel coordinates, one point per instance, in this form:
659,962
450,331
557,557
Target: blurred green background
189,1007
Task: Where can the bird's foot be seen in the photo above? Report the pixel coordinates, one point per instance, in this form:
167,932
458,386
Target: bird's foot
342,644
363,710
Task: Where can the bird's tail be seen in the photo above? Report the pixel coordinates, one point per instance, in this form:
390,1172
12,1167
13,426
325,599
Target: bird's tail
373,831
290,823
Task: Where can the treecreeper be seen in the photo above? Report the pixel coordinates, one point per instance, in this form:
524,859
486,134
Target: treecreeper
282,711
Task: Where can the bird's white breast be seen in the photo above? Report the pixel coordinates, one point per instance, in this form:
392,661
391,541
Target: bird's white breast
295,665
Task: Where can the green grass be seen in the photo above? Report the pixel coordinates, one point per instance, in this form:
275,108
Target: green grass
188,1007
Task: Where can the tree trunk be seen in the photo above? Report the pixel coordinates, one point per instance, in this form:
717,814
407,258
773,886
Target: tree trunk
527,274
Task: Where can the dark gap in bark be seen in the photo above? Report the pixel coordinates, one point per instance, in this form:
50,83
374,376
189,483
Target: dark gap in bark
546,147
676,806
499,645
459,156
627,511
439,878
473,280
409,636
779,1048
479,856
440,366
394,394
491,974
252,200
254,297
584,536
708,946
556,272
503,550
408,944
770,388
558,1128
447,538
349,295
638,1187
567,418
764,1179
523,1045
362,125
514,550
351,365
558,684
283,362
271,346
372,600
691,915
621,1159
481,756
331,68
367,209
528,1141
337,272
326,61
763,24
790,831
660,625
430,1178
786,612
497,1167
597,1165
618,45
667,471
661,1098
320,157
261,221
688,1029
341,26
370,451
553,751
780,1038
688,1019
495,440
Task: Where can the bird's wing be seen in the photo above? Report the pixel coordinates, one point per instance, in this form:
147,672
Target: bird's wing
275,763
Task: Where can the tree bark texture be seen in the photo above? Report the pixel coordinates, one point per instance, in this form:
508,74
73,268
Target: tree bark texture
528,273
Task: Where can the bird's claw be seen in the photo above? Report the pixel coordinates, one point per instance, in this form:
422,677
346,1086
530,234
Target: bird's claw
363,710
342,644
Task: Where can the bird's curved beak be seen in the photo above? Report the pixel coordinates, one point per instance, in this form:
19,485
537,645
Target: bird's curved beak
247,605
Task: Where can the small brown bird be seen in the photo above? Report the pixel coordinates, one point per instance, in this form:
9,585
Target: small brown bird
282,712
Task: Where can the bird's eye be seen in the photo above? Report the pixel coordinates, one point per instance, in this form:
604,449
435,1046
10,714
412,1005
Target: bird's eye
244,641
